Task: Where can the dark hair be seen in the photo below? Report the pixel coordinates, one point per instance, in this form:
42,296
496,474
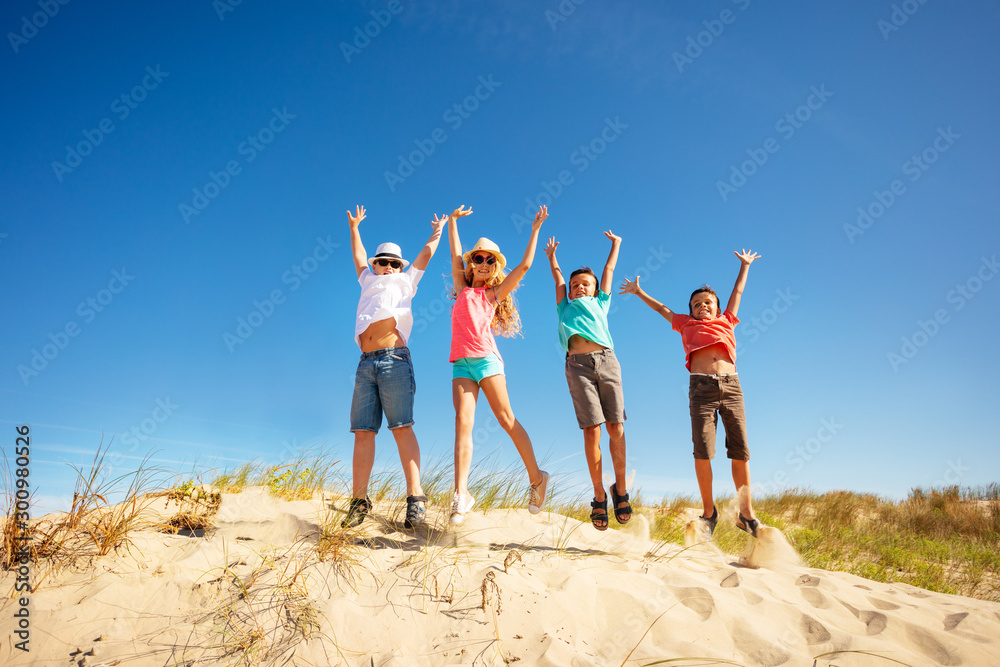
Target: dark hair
586,270
704,288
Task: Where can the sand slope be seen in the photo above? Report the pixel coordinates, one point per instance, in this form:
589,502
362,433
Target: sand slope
252,592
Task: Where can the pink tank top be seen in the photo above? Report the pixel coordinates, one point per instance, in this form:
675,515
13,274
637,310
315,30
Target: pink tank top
470,325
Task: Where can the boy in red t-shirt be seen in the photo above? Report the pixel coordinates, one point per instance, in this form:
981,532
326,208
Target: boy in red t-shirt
710,355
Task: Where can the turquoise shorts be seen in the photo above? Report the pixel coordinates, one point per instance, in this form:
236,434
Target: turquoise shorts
476,368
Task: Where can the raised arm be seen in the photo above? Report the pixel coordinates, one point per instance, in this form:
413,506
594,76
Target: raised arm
357,247
746,259
517,273
425,254
550,252
457,264
608,275
632,287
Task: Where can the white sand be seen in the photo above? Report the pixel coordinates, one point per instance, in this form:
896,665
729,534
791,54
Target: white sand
576,597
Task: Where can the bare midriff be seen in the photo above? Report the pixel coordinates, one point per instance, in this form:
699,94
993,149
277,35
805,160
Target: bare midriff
713,359
380,335
580,345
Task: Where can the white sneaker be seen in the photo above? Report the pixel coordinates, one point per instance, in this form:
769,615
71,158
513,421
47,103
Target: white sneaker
537,494
460,504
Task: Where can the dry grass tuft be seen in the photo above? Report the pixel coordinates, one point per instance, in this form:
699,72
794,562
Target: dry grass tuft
490,590
94,525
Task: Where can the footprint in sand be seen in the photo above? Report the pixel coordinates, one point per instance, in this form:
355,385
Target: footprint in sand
732,581
697,599
951,621
875,621
807,580
884,605
813,631
931,647
815,598
757,650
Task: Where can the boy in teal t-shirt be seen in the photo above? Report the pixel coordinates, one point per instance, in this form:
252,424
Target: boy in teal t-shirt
593,374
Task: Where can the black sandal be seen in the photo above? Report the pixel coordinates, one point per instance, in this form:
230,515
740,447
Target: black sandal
415,509
595,517
748,526
621,510
711,520
356,512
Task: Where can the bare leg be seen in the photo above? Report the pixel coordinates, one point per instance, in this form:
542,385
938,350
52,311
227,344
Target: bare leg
464,392
741,478
409,456
495,390
364,459
703,470
616,434
592,450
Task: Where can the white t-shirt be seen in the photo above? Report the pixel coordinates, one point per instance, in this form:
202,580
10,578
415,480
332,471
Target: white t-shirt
386,296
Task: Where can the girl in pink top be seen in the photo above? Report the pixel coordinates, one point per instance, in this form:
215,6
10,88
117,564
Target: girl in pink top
710,356
484,305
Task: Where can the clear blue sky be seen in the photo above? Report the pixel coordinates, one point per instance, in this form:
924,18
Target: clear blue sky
165,167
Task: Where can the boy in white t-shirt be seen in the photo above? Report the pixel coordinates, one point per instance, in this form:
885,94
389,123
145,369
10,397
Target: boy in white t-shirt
384,380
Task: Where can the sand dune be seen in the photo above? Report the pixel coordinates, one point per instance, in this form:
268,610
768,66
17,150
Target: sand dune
557,592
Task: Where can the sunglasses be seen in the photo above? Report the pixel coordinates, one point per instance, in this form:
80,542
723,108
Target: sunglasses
396,264
489,259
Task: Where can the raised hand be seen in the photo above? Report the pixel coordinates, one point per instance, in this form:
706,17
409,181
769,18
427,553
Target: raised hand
550,247
613,238
358,216
630,286
460,212
438,223
747,257
543,212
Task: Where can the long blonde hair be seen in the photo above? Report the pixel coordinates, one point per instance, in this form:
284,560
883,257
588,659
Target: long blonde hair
506,320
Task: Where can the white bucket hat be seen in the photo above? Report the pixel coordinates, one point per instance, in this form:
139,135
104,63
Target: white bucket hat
388,251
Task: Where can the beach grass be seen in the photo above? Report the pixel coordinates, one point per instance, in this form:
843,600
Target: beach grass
940,539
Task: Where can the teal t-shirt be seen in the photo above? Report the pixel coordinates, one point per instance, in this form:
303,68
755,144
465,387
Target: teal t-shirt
587,317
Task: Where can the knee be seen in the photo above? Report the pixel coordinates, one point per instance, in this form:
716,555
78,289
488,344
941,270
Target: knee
402,431
506,420
616,431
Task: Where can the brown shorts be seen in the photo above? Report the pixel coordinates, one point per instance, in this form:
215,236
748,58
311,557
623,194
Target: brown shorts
711,396
595,385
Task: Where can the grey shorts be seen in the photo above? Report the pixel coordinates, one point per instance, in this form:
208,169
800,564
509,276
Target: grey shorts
711,396
595,385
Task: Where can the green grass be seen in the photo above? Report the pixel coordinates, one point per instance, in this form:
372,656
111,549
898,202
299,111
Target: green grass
945,540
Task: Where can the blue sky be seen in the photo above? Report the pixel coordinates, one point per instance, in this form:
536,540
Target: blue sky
169,171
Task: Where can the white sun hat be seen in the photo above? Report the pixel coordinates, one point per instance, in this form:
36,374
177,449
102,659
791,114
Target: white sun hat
388,251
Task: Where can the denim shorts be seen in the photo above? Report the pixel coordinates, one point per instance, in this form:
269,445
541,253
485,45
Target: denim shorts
711,396
383,383
595,385
476,368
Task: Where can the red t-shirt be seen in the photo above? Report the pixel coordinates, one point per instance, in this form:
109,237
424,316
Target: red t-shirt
698,334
